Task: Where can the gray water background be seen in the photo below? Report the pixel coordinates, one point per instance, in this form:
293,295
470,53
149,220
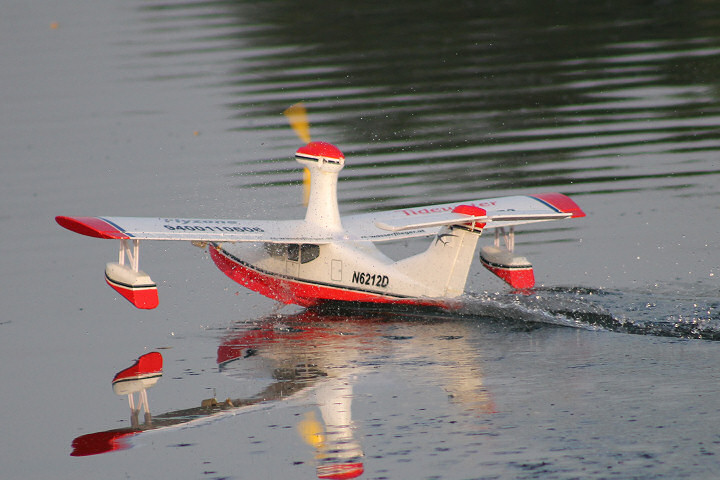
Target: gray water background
174,109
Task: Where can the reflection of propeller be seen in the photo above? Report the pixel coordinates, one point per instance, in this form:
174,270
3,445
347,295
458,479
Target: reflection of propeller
311,430
339,456
297,116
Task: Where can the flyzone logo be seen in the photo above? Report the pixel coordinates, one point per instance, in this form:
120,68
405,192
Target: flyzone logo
445,208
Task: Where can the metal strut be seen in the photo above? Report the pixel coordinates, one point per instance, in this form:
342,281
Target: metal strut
133,255
508,237
143,399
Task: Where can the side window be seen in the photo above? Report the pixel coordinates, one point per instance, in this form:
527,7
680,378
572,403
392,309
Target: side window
293,251
308,253
276,249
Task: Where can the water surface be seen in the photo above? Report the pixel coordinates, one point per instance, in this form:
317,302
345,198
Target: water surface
174,108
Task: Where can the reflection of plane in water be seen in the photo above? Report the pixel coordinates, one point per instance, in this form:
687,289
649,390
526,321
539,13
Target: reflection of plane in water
287,383
323,353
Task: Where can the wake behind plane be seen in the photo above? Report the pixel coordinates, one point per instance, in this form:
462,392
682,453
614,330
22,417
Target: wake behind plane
325,257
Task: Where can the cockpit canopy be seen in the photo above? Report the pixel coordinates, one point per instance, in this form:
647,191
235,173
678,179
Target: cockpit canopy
304,252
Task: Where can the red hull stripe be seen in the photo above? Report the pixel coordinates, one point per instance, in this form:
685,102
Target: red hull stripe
521,278
143,297
301,293
560,203
92,227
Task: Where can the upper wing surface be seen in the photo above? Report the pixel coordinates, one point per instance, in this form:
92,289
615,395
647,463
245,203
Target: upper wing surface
426,220
195,229
376,226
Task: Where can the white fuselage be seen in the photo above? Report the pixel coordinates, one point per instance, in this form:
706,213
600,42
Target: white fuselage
355,271
346,270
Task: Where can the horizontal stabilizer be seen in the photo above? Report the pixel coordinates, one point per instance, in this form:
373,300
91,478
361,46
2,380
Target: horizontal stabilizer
440,219
433,220
427,220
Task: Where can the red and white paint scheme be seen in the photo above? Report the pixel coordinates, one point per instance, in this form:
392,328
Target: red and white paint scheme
137,378
128,280
325,257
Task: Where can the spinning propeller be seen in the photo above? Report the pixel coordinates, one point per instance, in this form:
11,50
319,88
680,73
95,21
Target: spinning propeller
297,116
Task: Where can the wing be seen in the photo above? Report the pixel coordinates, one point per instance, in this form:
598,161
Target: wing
426,220
194,229
377,226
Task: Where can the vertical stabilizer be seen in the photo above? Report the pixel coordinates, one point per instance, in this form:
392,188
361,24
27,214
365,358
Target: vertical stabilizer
445,265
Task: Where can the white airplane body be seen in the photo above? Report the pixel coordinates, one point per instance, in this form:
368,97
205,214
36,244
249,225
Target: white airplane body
326,257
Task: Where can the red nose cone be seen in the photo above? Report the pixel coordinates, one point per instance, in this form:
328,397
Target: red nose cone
320,149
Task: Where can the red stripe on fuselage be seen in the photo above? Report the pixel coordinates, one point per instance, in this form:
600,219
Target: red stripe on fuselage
297,292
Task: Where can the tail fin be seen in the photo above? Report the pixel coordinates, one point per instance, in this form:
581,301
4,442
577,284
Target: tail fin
446,263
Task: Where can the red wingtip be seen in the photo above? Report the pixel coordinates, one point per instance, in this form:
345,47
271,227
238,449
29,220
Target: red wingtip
91,226
561,203
102,442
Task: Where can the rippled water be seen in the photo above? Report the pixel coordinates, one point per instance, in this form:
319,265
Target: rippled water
154,108
617,107
585,99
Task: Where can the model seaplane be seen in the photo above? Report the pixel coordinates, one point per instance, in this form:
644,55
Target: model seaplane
325,257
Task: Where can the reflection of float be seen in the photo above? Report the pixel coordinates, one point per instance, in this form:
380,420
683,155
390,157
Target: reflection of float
321,354
288,384
137,378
